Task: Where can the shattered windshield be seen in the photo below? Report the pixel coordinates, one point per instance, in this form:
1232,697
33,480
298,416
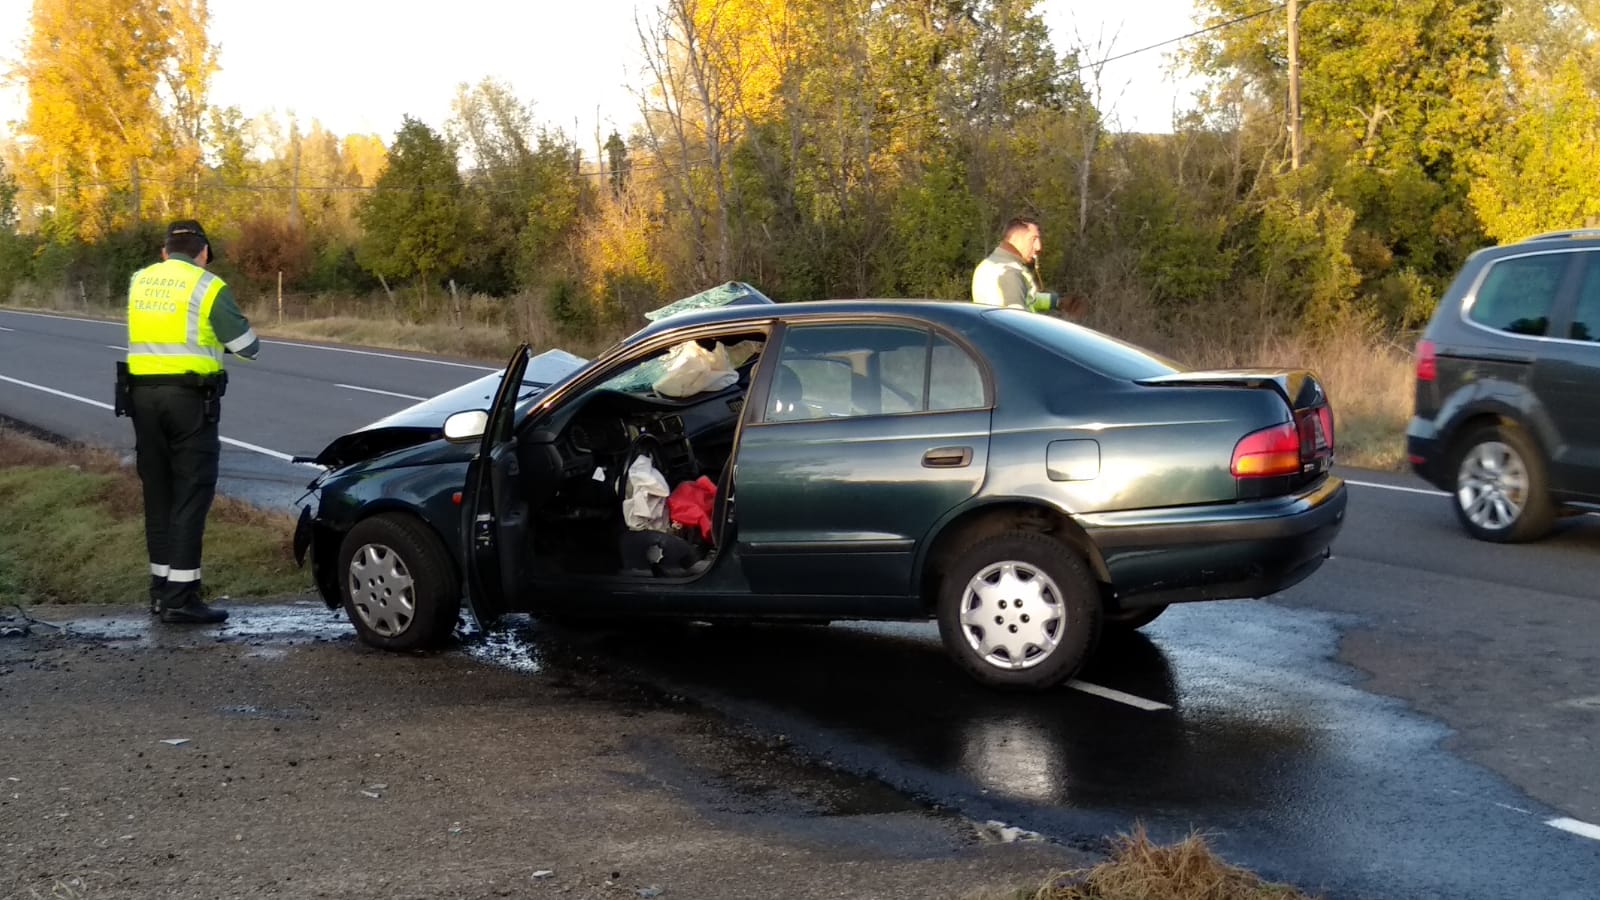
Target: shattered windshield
733,293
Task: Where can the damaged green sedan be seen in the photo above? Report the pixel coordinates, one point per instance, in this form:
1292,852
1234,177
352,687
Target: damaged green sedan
1024,481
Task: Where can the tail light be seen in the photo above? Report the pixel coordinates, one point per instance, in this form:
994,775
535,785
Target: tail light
1316,431
1427,361
1268,453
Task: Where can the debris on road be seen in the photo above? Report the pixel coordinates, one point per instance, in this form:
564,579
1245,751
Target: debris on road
1006,834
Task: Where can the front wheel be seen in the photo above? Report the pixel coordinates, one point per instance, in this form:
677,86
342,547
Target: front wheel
399,586
1020,611
1501,493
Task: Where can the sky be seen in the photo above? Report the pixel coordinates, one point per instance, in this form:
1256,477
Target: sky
358,66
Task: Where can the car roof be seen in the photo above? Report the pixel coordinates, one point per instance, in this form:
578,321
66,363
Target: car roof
1571,239
948,312
1590,234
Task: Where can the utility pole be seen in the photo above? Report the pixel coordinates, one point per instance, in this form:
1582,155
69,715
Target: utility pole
1296,138
295,220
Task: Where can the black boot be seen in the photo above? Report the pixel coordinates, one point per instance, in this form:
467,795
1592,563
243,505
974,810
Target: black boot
194,612
158,587
184,607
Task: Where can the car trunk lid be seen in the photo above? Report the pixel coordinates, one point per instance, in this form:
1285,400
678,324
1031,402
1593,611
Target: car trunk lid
1283,457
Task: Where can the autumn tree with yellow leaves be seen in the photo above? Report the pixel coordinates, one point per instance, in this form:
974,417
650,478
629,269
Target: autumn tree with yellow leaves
116,111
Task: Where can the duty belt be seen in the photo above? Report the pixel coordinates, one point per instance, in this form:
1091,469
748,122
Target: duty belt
188,379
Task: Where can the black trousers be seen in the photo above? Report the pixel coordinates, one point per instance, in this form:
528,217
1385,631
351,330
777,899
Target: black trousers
177,453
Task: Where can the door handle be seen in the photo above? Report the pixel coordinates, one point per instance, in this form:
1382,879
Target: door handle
947,458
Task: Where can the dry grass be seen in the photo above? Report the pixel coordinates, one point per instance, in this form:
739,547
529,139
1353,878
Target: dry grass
478,342
481,328
1369,381
1140,869
72,531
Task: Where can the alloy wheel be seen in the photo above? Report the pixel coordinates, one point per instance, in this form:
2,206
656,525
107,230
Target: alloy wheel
1492,485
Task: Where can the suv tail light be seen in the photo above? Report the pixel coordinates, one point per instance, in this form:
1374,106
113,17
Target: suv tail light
1427,361
1268,453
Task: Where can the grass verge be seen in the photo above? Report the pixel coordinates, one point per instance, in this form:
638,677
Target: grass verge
1140,869
72,531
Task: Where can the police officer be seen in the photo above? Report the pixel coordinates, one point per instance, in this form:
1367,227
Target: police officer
1008,278
181,319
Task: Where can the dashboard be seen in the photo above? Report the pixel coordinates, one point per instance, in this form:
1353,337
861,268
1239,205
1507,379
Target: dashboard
609,434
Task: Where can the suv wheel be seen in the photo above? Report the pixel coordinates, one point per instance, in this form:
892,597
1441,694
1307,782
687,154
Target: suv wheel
1501,493
1019,610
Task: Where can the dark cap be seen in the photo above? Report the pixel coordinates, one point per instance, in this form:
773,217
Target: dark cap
184,227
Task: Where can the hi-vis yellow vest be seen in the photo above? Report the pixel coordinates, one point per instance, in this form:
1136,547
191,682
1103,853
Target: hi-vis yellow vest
169,320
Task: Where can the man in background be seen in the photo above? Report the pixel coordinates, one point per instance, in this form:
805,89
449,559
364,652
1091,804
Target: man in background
1009,275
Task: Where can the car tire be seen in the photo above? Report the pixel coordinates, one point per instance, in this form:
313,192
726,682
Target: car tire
1132,619
1046,638
1501,492
399,587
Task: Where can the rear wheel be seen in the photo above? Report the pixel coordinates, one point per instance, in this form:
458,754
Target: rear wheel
1133,619
399,586
1019,610
1501,493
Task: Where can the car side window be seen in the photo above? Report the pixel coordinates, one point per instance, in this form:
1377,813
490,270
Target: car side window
834,371
1517,294
1586,317
955,381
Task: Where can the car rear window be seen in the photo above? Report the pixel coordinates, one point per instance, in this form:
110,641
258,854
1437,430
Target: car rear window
1516,294
1100,352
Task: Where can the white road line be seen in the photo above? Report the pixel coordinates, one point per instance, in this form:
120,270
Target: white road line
1396,487
1120,697
3,328
1582,829
436,362
226,440
40,387
376,391
39,315
262,450
115,347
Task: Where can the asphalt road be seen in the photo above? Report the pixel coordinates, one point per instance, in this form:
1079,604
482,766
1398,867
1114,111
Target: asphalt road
1421,718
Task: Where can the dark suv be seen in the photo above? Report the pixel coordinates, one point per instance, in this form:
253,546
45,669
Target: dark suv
1508,387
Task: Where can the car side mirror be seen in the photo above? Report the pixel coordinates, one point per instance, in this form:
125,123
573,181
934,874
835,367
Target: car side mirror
466,426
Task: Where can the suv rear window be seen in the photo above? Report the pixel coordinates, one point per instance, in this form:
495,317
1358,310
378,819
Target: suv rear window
1517,293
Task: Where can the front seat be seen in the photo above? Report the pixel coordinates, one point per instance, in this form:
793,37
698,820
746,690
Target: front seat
787,396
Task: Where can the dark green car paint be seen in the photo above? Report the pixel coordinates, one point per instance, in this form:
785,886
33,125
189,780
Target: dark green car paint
840,518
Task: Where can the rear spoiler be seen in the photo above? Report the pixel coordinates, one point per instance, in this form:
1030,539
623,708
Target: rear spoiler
1298,387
